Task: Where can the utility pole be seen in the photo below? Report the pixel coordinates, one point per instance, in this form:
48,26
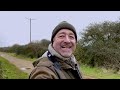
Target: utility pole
30,27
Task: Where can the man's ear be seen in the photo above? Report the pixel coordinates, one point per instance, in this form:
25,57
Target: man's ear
53,39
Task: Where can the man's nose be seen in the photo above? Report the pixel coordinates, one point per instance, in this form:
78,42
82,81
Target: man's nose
67,39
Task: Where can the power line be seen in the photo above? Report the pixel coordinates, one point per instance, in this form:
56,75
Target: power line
30,27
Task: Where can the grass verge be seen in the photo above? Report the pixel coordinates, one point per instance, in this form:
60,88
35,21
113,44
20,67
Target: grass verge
10,71
22,57
99,73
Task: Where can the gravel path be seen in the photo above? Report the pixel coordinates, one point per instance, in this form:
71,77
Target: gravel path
23,65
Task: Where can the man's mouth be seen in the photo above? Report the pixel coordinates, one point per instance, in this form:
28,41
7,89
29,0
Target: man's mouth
66,46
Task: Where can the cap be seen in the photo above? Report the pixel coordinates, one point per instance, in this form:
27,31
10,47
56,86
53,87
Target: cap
63,25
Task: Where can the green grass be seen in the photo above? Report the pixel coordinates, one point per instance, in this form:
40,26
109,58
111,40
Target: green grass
10,71
99,73
95,72
22,57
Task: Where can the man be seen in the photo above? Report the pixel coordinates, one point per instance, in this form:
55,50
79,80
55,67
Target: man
59,62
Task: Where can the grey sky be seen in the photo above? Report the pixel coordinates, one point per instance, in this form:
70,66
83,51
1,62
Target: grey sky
14,27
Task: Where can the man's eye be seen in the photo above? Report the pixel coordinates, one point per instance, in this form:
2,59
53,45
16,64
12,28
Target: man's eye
72,37
61,36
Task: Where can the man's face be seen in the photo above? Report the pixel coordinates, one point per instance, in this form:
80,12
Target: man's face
64,42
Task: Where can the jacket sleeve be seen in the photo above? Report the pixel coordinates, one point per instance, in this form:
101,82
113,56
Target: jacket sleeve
42,72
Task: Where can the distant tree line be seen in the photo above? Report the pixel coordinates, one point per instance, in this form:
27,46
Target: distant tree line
98,47
33,50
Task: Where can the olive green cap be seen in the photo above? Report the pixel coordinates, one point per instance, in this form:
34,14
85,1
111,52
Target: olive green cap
63,25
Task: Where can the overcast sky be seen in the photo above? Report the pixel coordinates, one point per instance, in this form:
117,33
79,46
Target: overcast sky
15,27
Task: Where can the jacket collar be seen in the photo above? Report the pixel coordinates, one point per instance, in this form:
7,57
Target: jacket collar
65,63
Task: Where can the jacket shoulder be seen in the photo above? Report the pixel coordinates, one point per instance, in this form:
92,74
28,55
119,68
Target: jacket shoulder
43,70
44,62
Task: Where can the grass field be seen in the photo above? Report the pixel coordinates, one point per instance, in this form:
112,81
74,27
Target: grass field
10,71
22,57
99,73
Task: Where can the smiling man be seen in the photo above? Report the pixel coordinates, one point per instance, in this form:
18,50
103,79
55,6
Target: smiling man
58,62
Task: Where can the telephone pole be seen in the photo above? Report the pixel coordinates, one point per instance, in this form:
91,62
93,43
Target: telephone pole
30,27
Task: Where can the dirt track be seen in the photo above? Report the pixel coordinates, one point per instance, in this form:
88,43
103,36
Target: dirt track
23,65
